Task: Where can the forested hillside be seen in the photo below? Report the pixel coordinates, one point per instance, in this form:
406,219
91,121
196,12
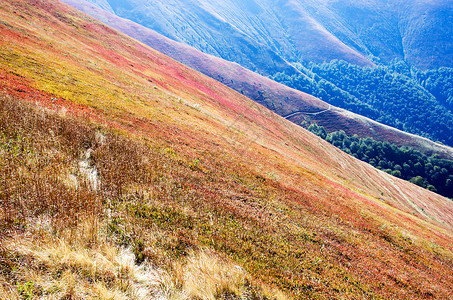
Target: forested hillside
397,95
440,84
430,172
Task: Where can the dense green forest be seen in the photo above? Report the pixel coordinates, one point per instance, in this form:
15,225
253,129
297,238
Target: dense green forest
398,95
430,172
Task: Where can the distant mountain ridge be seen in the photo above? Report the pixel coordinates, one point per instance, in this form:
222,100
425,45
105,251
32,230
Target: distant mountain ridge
255,33
275,96
121,166
214,35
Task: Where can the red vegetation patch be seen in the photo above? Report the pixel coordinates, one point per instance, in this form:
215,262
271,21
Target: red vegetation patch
21,88
224,172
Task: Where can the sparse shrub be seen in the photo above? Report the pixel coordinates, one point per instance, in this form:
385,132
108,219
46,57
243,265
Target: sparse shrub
26,290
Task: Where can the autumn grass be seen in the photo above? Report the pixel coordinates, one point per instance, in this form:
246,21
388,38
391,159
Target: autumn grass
73,266
93,196
153,215
70,265
205,277
63,237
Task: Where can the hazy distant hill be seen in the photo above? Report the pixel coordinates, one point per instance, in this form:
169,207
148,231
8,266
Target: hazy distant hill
258,33
277,97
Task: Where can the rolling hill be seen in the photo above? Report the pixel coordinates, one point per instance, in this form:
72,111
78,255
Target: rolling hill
127,175
277,97
418,32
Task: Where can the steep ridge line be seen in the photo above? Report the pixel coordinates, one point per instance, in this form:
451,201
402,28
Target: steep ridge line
287,209
277,97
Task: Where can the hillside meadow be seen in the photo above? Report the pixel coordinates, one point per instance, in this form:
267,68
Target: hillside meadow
126,175
284,100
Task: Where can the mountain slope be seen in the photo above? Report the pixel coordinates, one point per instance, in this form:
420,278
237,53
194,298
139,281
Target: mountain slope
241,31
122,149
213,34
276,97
303,30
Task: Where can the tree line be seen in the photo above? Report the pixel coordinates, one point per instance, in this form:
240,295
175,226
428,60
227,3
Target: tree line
430,172
398,95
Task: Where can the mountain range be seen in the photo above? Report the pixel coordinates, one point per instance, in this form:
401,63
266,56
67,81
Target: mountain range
277,97
274,37
128,175
261,35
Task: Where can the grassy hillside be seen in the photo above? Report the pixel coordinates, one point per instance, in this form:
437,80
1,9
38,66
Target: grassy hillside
195,24
259,35
127,175
277,97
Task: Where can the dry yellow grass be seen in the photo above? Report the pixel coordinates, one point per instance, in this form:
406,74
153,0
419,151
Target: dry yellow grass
206,277
82,264
75,265
7,292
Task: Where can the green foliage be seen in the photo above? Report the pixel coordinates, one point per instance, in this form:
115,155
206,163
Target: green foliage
396,173
26,290
439,83
167,217
397,95
432,173
418,180
15,146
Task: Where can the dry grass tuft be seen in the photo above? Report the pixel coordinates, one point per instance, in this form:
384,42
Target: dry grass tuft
65,267
7,292
205,276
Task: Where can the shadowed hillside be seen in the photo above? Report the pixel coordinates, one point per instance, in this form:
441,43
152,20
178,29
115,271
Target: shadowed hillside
126,175
274,96
418,32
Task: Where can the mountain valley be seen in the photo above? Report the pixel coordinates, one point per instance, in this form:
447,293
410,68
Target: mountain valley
128,175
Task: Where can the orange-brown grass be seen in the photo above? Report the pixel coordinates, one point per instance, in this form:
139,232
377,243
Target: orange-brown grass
71,240
151,200
170,164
